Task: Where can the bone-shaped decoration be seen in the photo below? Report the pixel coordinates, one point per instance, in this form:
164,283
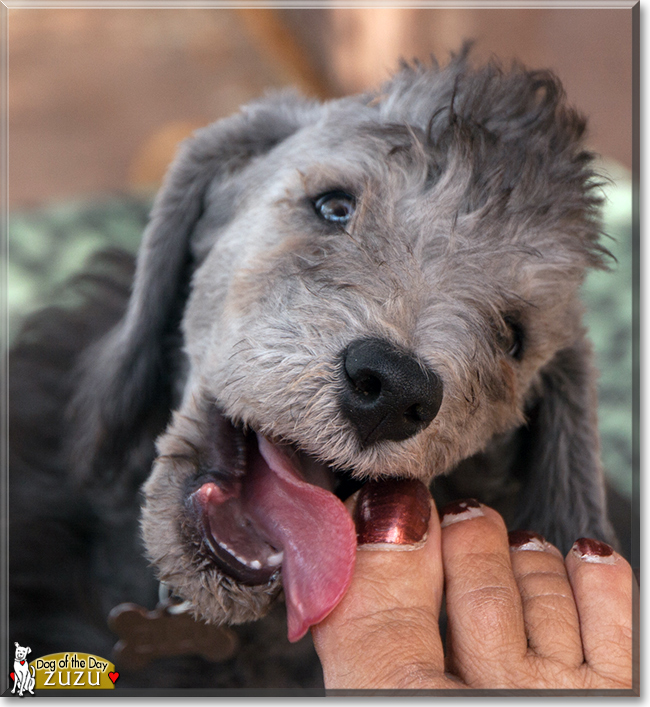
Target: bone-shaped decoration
147,635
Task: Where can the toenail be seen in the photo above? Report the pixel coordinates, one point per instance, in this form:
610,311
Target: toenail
392,514
590,550
456,511
526,540
529,540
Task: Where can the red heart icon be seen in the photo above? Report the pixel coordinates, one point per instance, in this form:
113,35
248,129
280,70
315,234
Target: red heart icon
22,662
113,677
12,676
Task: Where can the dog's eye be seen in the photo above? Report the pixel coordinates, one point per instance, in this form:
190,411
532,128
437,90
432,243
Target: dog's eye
335,206
516,341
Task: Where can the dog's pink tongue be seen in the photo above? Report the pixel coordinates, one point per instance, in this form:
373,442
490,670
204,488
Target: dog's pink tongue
313,528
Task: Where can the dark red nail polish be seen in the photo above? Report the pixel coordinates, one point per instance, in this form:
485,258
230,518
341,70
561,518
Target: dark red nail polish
591,550
517,538
392,511
526,540
456,507
460,510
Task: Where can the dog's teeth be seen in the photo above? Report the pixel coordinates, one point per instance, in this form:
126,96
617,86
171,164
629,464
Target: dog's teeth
272,561
275,559
230,551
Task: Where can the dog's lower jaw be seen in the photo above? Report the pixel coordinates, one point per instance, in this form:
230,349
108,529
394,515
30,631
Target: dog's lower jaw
229,531
173,543
176,551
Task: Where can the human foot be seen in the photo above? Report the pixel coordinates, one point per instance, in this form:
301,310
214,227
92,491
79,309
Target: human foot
520,615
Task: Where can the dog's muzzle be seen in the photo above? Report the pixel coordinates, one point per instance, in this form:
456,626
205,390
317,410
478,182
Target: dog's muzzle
261,506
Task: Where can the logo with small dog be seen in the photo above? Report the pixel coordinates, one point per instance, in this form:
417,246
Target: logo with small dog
61,671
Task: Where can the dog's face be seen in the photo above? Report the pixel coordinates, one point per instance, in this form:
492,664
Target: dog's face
290,286
22,651
388,282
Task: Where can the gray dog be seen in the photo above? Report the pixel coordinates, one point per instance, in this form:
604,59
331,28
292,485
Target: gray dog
379,286
382,285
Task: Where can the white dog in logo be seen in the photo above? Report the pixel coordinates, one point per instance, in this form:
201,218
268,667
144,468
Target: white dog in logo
23,679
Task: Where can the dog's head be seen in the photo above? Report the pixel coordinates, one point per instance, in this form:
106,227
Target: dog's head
22,651
375,286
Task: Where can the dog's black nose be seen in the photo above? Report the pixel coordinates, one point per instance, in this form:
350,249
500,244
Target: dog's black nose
388,394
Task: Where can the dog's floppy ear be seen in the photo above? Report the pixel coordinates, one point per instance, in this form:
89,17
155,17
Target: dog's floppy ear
563,491
126,374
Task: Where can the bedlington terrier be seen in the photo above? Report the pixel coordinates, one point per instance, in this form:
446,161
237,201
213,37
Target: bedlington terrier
384,285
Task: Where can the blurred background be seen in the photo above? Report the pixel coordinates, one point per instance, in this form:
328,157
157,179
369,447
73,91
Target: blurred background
99,99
